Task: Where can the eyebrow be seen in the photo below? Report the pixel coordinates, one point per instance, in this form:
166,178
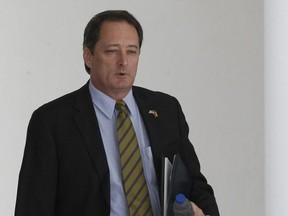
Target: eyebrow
129,46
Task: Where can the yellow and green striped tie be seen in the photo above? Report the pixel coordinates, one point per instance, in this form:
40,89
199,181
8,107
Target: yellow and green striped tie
132,169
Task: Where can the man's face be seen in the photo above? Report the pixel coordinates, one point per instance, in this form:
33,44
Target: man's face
113,64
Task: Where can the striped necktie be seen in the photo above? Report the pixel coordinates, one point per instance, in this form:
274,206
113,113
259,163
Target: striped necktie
132,169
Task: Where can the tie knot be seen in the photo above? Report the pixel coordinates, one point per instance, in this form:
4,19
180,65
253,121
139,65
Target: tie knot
120,105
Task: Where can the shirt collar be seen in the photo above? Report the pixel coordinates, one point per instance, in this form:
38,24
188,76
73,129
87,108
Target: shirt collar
106,104
130,103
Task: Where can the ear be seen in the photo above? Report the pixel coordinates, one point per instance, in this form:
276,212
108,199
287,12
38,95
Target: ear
87,56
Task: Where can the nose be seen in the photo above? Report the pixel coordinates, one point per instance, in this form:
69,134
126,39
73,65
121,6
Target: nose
123,59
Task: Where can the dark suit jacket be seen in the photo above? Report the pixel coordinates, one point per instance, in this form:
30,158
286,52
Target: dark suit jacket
65,170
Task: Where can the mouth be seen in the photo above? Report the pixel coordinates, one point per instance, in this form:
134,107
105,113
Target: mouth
121,73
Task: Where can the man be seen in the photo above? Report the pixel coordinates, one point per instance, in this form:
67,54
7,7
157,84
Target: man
72,165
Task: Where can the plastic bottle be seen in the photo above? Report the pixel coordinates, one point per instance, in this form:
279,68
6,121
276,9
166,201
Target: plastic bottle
182,206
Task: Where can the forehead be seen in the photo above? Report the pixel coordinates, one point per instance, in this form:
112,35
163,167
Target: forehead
117,30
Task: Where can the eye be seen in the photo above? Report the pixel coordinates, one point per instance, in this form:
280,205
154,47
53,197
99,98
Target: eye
132,52
110,51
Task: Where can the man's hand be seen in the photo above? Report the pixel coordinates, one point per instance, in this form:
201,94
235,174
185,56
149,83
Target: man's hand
197,210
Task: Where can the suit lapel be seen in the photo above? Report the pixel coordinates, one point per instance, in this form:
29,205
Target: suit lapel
87,123
145,105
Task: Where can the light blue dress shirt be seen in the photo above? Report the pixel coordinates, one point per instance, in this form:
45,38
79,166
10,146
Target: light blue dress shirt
106,113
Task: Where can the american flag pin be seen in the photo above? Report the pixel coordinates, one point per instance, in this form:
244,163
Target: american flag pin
154,113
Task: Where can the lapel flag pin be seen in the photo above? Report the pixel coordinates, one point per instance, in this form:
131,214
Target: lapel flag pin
154,113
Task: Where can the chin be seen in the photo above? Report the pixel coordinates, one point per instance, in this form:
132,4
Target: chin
124,85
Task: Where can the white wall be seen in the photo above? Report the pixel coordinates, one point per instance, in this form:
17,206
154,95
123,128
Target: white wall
276,107
209,54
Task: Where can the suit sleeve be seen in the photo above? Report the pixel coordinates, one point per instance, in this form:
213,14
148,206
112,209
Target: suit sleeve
202,193
38,175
